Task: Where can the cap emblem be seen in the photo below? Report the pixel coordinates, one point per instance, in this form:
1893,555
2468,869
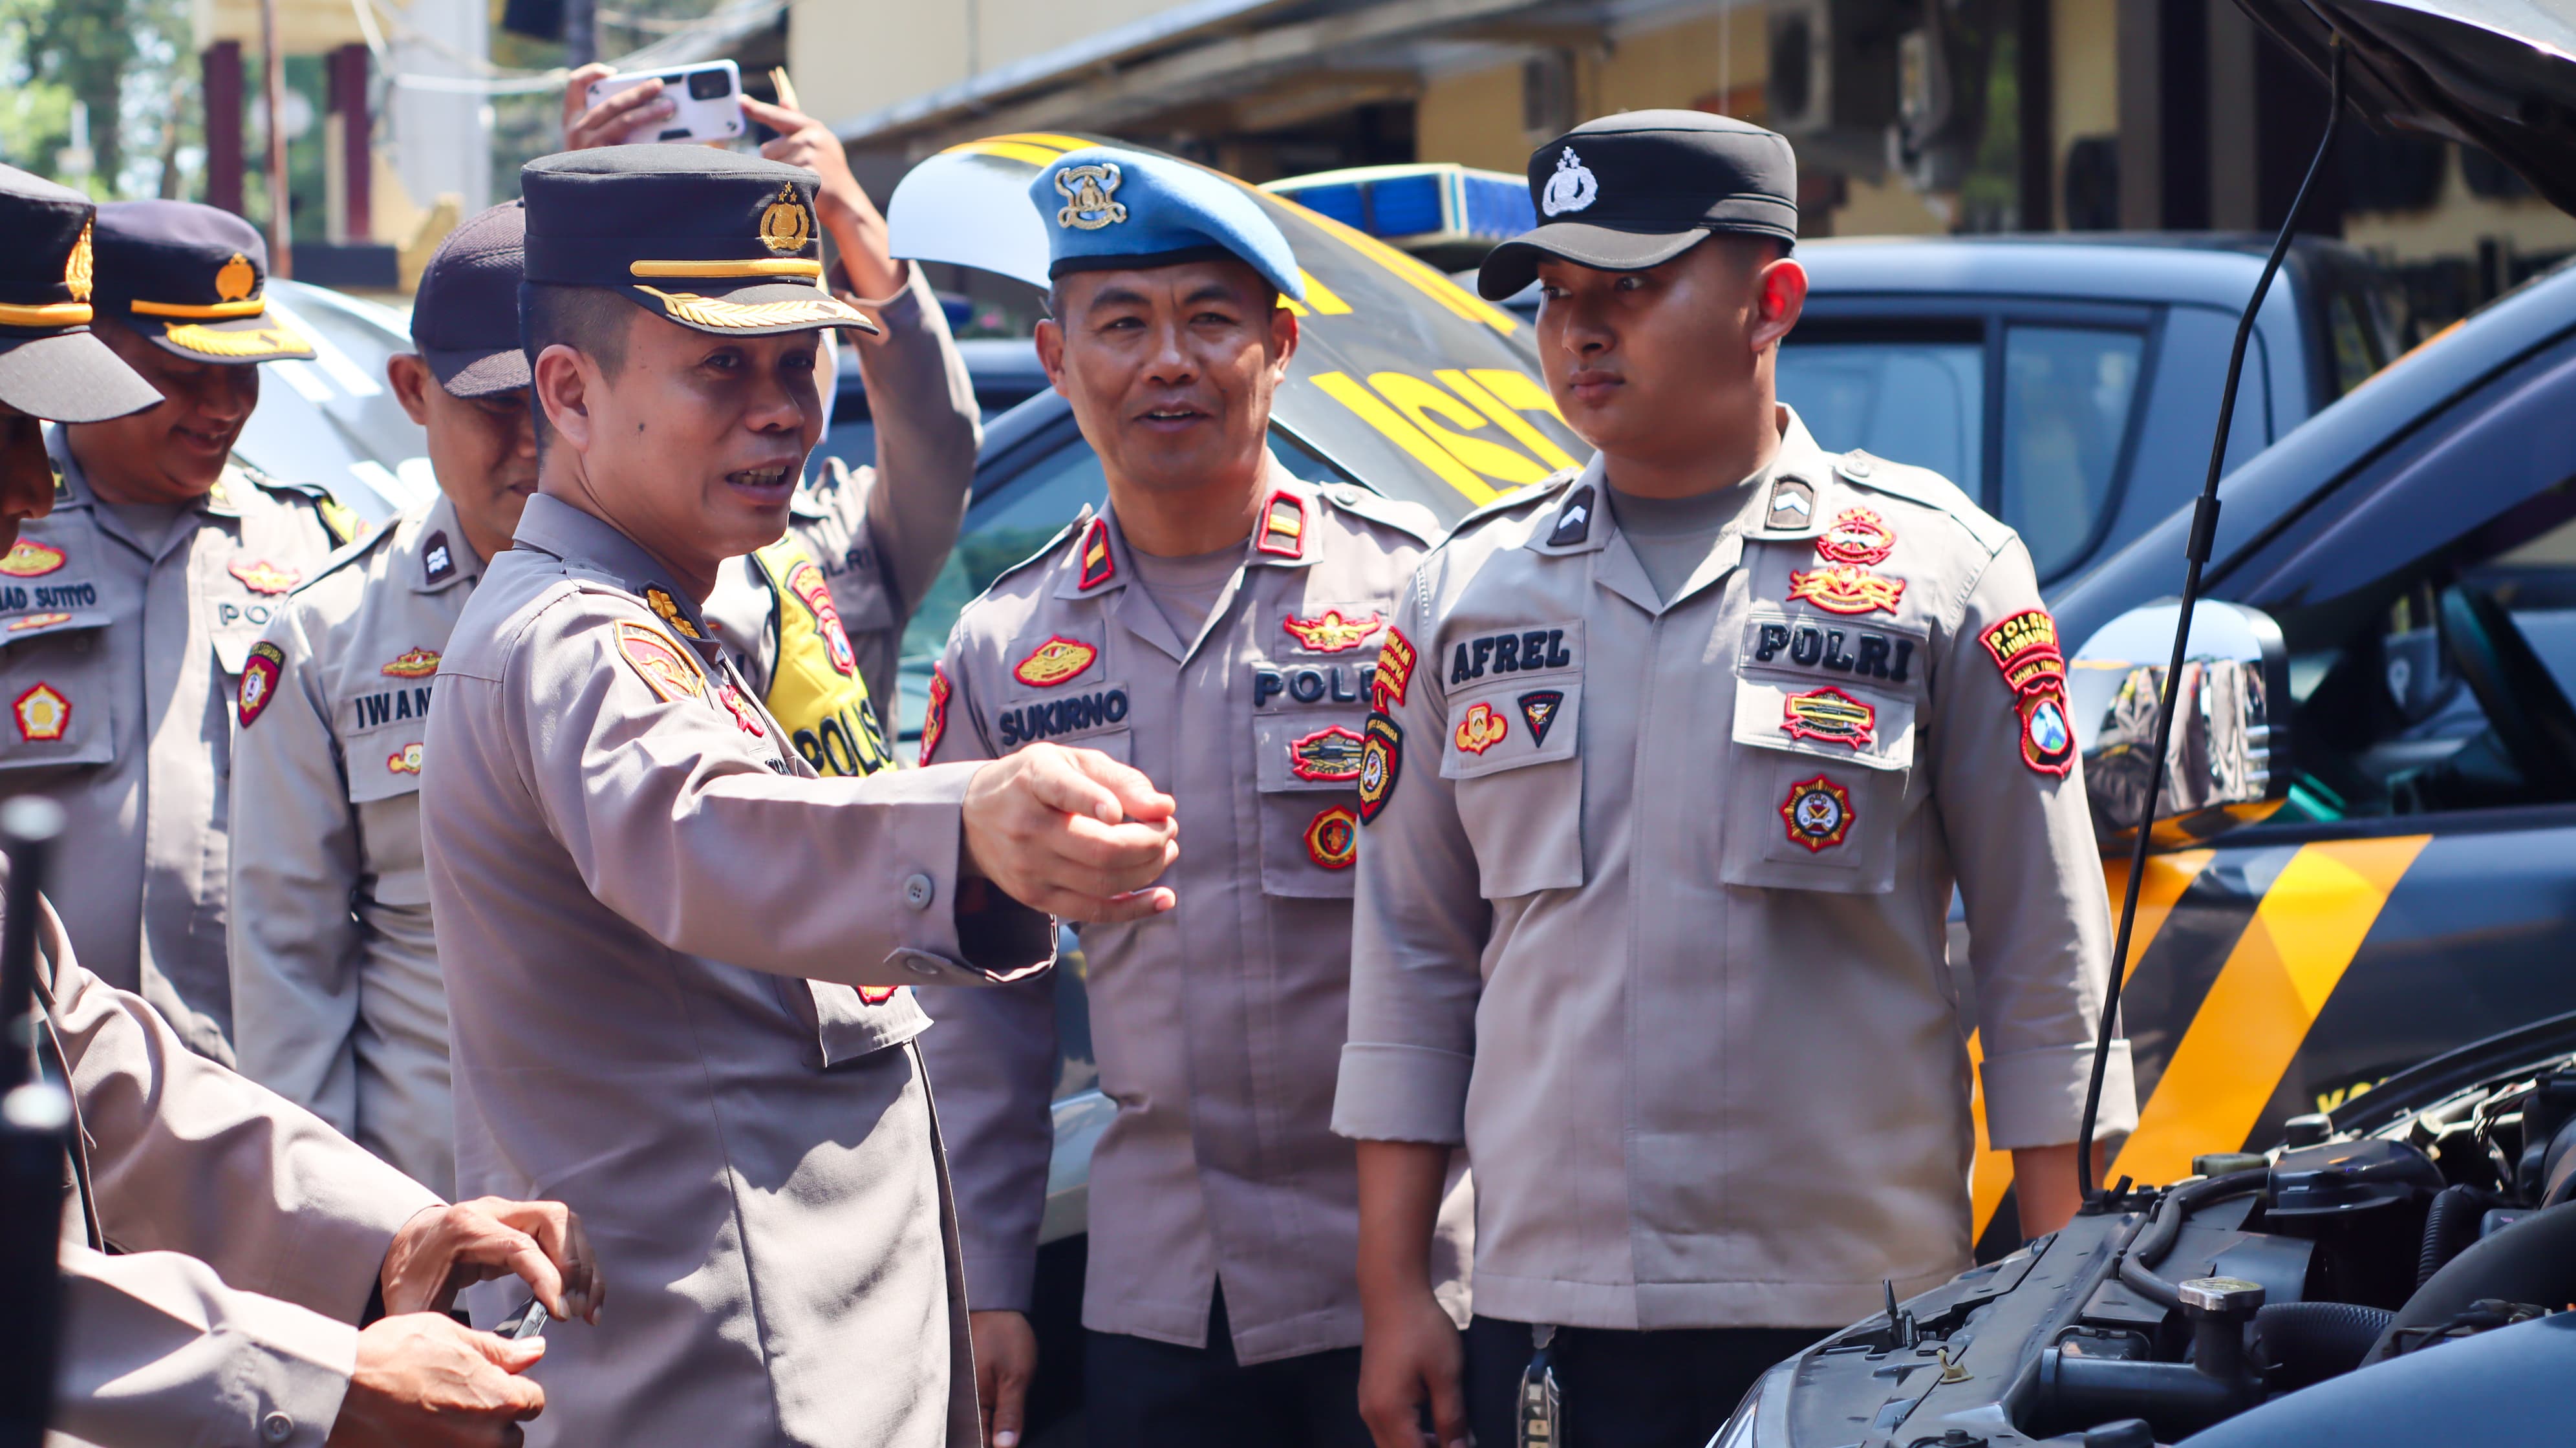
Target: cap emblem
1086,191
235,278
786,227
80,269
1572,188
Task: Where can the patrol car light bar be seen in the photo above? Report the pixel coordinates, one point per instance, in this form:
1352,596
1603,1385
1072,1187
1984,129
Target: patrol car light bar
2204,533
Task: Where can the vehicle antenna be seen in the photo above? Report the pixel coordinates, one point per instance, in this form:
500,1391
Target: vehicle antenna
2204,532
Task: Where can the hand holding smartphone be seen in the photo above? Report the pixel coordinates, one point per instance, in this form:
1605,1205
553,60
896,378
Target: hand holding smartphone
705,103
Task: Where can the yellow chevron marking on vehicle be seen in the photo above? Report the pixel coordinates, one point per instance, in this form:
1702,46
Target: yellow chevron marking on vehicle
1524,392
2167,877
2250,1026
1347,391
1320,299
1464,304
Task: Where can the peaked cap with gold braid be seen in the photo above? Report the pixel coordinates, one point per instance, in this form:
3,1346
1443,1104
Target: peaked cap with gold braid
718,242
50,365
194,279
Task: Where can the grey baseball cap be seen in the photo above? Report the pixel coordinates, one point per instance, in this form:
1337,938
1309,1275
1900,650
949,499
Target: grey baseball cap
465,318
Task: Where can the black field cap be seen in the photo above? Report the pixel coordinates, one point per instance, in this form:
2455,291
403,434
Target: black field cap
1635,190
708,239
193,279
465,319
50,365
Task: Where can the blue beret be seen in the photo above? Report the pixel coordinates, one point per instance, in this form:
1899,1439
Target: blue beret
1113,210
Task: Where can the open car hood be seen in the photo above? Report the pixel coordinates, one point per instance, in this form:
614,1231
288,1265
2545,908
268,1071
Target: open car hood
1402,378
2497,74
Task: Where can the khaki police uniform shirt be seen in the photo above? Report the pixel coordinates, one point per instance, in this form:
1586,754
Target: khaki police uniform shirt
1216,1025
674,965
1651,909
121,663
218,1244
334,963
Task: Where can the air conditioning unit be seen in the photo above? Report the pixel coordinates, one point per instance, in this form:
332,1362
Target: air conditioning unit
1833,72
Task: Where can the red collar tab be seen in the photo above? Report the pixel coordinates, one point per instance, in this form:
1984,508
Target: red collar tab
1283,525
1098,567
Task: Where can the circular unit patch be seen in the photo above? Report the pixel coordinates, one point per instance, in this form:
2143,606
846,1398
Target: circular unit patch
1333,840
1818,813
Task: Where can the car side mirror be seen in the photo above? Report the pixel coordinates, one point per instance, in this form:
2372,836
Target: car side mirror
2230,722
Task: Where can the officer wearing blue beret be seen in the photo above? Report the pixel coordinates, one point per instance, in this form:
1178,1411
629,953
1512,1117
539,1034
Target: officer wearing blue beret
1219,625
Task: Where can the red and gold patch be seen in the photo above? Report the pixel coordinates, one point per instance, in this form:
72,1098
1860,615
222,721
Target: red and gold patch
877,995
934,720
1056,661
1480,729
405,760
260,673
2047,737
1829,715
667,609
261,576
38,620
31,559
1381,761
2025,647
1283,525
1395,661
1333,840
43,714
1818,813
1332,753
745,716
1858,537
413,663
1845,588
1332,633
1098,564
806,582
664,666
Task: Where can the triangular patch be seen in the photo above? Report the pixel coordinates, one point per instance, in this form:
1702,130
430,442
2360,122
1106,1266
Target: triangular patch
1538,709
1098,567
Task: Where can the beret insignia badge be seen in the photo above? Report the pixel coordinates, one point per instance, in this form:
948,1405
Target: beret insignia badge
43,714
235,278
1087,193
1056,661
785,226
1333,840
1818,813
81,270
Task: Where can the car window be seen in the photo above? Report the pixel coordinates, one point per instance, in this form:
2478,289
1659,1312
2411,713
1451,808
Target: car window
1912,401
2068,396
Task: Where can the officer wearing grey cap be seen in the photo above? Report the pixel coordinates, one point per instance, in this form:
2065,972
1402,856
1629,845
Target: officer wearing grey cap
131,610
1679,989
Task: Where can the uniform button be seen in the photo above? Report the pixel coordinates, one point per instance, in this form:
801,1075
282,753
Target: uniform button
919,966
1345,495
277,1427
917,892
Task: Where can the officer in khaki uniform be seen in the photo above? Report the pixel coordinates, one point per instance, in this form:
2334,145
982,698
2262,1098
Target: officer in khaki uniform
219,1246
1223,1215
675,958
344,1013
130,612
1662,831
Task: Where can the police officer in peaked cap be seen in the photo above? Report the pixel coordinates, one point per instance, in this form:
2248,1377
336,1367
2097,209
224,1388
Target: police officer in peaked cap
1661,842
130,611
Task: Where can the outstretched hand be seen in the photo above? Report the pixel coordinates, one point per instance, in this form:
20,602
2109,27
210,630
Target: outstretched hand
587,126
1071,832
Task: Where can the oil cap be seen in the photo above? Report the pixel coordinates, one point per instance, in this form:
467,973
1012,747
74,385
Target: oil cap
2220,1296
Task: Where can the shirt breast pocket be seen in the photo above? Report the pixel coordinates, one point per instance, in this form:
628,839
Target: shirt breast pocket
1306,781
1818,803
1511,752
55,678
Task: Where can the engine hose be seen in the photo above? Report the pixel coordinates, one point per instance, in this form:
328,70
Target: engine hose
2157,1238
2449,1227
2534,1260
2309,1342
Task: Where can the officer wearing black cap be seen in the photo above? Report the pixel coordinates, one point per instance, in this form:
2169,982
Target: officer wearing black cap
1680,990
675,957
131,611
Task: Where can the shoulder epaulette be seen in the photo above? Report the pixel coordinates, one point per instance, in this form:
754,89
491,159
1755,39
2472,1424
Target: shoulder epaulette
1045,550
1922,485
350,551
1541,491
1411,519
338,518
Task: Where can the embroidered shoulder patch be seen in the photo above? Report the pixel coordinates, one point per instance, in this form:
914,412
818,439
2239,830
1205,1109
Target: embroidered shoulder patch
1333,840
1857,536
2047,741
1845,588
1054,662
1283,525
2025,647
1331,633
1395,660
745,717
1381,762
1829,715
1098,564
1818,813
260,673
261,576
667,609
664,666
1480,729
1538,710
43,714
31,559
934,720
1332,752
414,663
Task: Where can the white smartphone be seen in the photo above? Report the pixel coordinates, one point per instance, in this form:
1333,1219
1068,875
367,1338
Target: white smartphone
707,100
